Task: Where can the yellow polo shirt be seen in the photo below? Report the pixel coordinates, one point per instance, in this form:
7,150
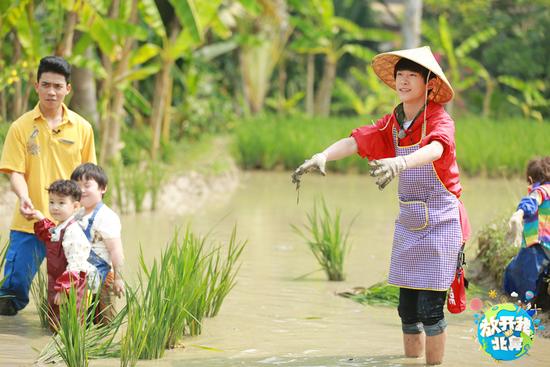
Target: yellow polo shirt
44,155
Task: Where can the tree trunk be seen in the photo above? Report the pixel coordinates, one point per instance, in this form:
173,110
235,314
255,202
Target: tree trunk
110,143
84,97
282,85
65,47
167,119
17,97
411,25
157,114
489,89
310,83
324,93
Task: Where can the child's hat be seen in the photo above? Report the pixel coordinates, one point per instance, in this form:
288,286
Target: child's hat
384,66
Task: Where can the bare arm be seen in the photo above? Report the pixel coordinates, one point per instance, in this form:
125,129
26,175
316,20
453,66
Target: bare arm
341,149
20,188
424,155
114,246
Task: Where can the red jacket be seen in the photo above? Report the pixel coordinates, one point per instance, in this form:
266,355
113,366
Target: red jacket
376,142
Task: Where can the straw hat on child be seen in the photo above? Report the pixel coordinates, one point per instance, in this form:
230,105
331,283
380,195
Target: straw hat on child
384,65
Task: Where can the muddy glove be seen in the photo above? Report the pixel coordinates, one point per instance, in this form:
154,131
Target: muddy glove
516,228
318,162
386,170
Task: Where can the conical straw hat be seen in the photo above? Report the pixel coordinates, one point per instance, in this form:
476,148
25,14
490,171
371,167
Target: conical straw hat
384,65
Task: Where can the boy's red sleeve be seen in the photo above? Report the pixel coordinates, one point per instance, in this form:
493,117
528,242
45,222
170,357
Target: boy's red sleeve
42,229
375,141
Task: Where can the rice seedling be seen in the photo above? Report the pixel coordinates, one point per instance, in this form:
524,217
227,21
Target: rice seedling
3,253
326,240
157,173
135,337
158,309
135,182
221,275
379,294
175,293
99,340
116,174
71,332
39,292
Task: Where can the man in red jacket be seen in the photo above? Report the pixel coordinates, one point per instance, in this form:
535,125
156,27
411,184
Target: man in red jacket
415,142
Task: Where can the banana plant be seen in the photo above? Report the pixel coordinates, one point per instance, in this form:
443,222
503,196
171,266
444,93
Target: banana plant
180,32
371,97
532,92
261,29
464,71
25,48
324,33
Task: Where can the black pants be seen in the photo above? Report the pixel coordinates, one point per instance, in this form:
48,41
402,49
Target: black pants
422,306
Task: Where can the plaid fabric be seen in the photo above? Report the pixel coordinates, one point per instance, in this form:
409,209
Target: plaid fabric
427,235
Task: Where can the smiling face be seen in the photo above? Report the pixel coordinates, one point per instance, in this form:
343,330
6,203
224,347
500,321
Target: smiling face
52,89
411,86
61,207
92,194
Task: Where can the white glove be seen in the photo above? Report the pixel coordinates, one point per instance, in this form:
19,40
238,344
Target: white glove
516,228
318,162
387,169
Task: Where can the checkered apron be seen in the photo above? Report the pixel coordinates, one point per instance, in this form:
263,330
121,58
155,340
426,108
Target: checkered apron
427,235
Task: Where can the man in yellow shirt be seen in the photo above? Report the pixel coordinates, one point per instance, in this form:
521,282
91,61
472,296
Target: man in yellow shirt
43,145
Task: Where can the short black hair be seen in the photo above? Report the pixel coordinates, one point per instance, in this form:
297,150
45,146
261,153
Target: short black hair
65,188
538,169
54,64
90,171
406,64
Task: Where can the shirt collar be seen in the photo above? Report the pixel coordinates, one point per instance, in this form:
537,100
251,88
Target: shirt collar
67,114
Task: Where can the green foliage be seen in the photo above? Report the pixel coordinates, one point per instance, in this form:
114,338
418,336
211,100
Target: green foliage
3,252
99,340
71,334
363,92
484,147
379,294
188,283
206,105
519,49
221,273
39,292
494,250
326,240
499,148
533,99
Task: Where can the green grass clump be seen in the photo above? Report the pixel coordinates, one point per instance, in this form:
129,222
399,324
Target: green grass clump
99,340
379,294
494,250
174,294
39,292
221,273
326,240
484,147
71,333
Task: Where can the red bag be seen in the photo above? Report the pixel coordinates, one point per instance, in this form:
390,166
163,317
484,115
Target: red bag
456,299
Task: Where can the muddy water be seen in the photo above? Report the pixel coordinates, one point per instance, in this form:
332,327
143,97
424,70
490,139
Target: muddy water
272,319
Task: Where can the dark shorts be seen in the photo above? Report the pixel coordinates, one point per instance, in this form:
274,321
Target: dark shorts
421,306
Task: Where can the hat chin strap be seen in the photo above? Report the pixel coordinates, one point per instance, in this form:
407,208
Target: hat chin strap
425,104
